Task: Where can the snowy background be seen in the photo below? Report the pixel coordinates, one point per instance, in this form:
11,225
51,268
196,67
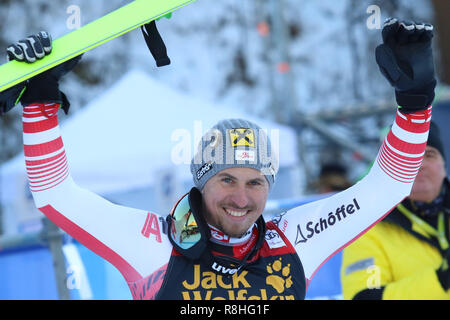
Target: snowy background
231,52
290,61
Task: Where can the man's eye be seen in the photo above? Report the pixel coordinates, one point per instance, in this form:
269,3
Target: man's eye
227,180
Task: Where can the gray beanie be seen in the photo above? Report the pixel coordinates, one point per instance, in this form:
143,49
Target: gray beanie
234,143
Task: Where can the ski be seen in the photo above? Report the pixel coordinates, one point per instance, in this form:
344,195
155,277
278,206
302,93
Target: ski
104,29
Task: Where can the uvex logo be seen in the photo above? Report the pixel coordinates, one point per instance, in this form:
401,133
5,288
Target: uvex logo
223,269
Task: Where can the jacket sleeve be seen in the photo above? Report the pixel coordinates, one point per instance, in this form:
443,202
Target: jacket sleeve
367,272
320,229
123,236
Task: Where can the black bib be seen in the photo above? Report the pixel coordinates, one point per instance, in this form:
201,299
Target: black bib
275,273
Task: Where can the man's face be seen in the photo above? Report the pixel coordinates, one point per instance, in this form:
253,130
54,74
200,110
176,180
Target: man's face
234,199
428,183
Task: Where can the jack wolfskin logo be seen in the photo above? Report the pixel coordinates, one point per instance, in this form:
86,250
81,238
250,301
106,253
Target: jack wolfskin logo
239,285
279,277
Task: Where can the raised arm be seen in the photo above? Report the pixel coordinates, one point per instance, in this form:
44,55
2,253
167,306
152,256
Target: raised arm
132,240
321,229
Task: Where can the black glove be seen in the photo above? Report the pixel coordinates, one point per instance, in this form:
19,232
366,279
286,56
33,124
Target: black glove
43,87
10,97
443,272
30,49
406,60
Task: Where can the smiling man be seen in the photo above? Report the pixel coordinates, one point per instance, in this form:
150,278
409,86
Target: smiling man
406,255
234,199
215,244
235,169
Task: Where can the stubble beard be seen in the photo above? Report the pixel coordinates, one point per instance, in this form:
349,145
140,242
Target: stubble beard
230,231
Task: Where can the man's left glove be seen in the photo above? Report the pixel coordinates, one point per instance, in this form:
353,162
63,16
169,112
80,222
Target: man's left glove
406,60
43,87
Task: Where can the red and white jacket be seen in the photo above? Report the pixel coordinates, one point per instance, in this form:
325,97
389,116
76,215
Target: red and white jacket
134,242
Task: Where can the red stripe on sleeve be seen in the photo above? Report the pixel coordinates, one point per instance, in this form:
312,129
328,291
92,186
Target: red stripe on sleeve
50,184
400,145
47,167
39,126
51,171
43,148
44,161
406,121
401,160
48,110
394,176
398,172
411,127
407,170
407,160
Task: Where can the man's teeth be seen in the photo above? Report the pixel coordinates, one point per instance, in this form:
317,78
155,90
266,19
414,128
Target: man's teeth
236,213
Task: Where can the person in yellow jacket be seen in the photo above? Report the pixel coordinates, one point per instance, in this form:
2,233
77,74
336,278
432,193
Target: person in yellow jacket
406,255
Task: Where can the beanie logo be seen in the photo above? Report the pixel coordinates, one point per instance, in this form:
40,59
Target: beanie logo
242,137
204,170
244,155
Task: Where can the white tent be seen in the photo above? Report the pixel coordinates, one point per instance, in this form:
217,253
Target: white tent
124,139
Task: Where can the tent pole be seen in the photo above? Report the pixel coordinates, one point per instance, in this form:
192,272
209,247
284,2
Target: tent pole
52,235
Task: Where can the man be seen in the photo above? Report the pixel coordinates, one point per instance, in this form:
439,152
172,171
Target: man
215,243
406,255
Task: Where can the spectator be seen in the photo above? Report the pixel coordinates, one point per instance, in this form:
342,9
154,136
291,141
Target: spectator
406,255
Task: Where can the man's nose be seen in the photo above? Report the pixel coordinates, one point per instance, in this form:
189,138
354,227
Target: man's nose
240,198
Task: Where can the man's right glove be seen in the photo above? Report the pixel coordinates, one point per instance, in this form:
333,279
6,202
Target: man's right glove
43,88
406,60
443,272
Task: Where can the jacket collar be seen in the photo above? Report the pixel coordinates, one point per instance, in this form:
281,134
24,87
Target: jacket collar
398,218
